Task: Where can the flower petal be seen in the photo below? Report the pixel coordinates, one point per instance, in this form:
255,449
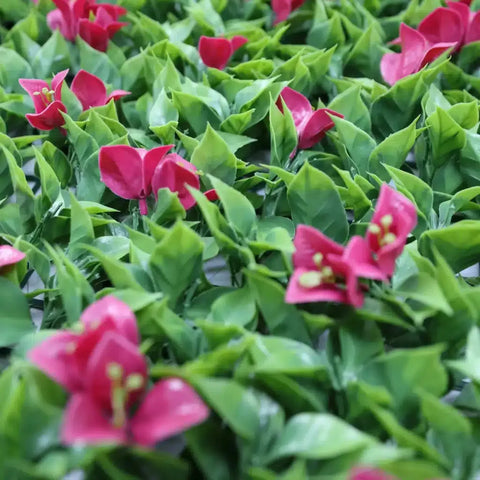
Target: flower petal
111,308
327,292
31,86
53,356
151,160
10,256
95,35
57,83
171,407
113,348
442,25
49,118
84,422
89,89
215,52
308,241
173,174
121,170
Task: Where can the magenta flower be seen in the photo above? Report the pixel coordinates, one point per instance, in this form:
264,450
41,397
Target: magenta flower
99,31
416,53
324,271
128,171
216,52
9,256
314,278
311,125
443,25
394,218
47,101
283,8
175,173
169,408
66,16
65,356
470,21
361,473
91,91
73,17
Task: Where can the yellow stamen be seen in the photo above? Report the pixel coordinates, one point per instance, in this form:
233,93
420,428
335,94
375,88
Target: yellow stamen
386,221
310,279
317,259
134,382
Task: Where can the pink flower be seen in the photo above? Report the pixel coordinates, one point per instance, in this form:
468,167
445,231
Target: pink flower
174,173
65,356
128,171
326,271
211,195
98,32
169,408
394,218
9,256
311,125
73,17
66,16
361,473
355,262
216,52
470,21
283,8
47,101
91,91
443,25
416,53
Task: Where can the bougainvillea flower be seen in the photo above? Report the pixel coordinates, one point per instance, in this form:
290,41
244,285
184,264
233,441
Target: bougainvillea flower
99,31
356,261
470,21
9,256
443,25
283,8
216,52
360,473
73,17
211,195
67,15
65,355
311,125
416,53
116,313
174,173
47,101
128,171
394,218
91,91
169,408
314,279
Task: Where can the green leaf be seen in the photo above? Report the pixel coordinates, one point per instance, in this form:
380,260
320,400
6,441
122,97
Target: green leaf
358,144
176,261
15,321
213,156
314,200
283,134
238,210
282,319
319,436
465,233
236,405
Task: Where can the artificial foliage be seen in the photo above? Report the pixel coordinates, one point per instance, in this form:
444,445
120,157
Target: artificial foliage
240,240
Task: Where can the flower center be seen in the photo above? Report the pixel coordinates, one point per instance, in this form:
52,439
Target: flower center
315,278
382,231
47,96
120,392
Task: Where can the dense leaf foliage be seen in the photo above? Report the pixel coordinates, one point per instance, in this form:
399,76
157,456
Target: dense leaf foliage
235,236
